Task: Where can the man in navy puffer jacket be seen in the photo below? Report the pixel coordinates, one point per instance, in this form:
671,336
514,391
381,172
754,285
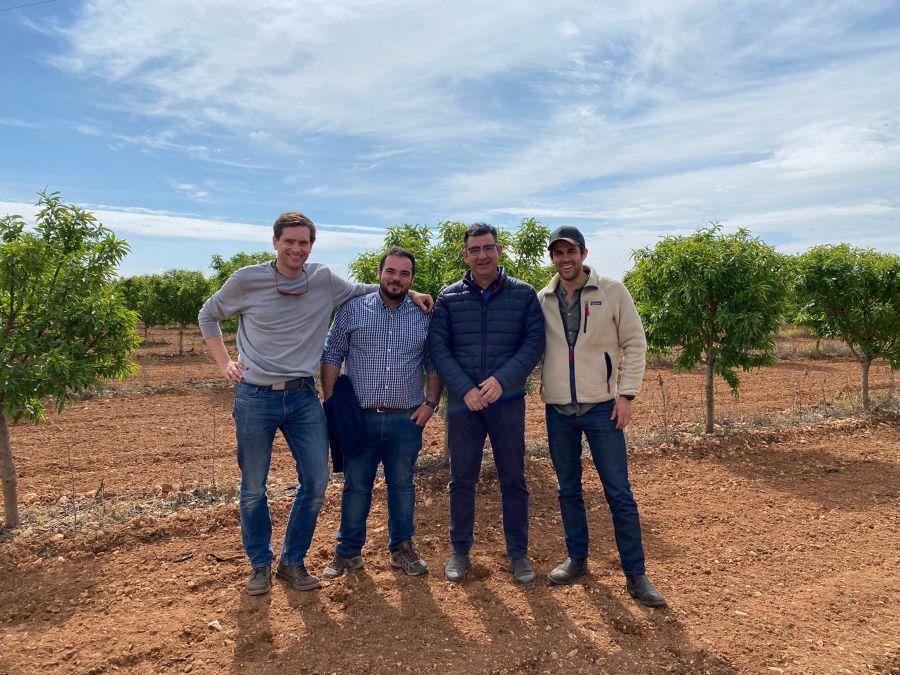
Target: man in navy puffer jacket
485,338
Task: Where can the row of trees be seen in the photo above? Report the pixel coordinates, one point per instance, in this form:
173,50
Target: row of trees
175,296
718,300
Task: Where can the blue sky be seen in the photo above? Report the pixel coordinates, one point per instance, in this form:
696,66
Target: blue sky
188,127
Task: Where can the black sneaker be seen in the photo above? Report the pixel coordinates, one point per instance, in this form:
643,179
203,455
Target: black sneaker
297,576
406,559
260,580
340,564
640,588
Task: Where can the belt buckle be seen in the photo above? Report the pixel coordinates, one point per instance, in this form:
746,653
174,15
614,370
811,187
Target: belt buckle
278,386
380,409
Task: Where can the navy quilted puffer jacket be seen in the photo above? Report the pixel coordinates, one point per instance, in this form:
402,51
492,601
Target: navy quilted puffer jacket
470,340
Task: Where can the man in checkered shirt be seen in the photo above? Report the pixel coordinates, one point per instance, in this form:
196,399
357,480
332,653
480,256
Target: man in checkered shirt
381,340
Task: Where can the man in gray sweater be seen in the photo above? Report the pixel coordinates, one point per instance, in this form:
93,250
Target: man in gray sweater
283,309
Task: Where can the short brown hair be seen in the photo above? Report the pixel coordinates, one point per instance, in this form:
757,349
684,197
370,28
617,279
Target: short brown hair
399,252
293,219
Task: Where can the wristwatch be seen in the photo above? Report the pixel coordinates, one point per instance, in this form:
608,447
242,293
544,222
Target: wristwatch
630,397
431,404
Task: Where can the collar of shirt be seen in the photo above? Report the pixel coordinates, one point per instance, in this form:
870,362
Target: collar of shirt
403,306
470,279
563,295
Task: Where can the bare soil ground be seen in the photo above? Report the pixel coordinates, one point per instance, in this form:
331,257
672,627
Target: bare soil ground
775,543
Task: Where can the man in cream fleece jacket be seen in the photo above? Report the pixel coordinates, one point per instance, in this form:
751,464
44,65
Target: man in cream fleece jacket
593,368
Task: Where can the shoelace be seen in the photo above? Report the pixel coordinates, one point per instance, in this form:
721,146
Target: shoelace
409,555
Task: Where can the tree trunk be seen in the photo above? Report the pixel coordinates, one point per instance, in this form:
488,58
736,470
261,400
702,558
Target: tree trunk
180,339
865,362
710,391
146,331
8,475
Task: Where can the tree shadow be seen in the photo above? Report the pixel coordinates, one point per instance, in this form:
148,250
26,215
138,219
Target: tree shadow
831,480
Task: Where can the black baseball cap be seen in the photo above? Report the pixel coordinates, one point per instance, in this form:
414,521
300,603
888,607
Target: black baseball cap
566,233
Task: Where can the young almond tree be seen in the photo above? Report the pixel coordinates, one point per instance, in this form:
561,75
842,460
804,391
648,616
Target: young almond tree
852,295
182,294
717,297
141,295
64,327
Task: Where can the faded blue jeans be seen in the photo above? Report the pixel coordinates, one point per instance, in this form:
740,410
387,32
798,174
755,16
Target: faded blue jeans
258,413
394,440
608,451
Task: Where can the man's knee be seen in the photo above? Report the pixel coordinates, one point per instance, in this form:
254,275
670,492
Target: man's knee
314,490
253,494
570,492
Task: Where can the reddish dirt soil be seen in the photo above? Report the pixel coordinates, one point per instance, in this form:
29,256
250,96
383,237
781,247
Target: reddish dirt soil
777,549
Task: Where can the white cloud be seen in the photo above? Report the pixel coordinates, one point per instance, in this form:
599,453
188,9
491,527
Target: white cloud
144,222
632,118
15,122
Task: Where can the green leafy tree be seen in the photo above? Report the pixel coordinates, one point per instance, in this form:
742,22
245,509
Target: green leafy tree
439,260
223,268
141,294
528,259
852,295
64,327
717,297
182,294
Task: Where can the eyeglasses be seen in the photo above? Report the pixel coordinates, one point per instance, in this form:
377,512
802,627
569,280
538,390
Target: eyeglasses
291,293
487,248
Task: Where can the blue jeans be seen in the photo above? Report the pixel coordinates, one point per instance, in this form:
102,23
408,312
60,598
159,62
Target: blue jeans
393,439
258,414
504,422
609,454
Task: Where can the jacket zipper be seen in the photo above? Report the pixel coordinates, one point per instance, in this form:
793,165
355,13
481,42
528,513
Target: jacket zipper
608,371
587,315
483,340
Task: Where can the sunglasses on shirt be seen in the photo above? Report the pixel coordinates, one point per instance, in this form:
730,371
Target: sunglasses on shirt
292,293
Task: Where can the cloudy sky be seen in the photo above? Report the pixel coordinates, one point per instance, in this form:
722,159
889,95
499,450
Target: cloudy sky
188,126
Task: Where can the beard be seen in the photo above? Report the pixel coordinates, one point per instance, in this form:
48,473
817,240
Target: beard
393,294
571,274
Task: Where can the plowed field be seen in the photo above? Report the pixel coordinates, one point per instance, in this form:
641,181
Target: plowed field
775,543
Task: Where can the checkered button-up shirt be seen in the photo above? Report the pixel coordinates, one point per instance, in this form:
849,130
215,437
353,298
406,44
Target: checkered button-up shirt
384,349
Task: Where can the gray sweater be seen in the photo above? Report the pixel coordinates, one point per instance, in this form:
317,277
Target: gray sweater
279,337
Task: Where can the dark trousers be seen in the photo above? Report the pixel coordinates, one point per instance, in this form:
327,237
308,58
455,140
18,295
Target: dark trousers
394,440
609,454
504,423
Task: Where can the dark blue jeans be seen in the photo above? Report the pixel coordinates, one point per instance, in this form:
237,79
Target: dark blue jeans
393,439
609,454
504,422
258,414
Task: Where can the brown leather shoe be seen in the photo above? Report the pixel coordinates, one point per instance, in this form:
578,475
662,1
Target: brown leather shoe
297,577
260,580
